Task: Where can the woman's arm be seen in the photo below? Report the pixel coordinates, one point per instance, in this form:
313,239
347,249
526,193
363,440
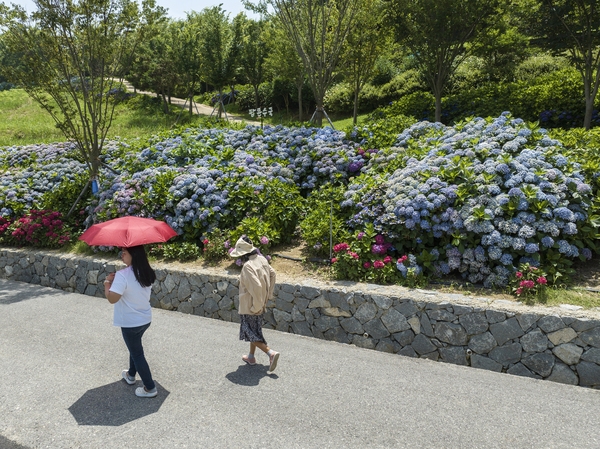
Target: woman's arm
111,296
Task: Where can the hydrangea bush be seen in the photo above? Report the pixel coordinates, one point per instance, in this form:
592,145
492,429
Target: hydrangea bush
29,172
487,194
479,198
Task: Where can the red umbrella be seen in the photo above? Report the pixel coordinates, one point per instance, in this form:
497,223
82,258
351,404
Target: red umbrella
126,232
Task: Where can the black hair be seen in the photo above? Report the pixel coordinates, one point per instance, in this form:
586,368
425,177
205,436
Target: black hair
246,257
142,270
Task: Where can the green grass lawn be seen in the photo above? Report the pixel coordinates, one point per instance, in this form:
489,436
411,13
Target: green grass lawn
25,122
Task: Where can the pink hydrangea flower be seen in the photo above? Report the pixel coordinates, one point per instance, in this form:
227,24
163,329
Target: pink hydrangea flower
341,247
378,264
367,265
527,284
264,240
542,280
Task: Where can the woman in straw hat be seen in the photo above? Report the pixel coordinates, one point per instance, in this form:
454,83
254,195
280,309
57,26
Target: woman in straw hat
257,282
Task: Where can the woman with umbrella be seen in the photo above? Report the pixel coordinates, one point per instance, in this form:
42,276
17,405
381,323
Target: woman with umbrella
129,290
257,282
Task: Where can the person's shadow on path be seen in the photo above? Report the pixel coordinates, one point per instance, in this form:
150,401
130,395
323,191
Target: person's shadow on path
249,376
115,404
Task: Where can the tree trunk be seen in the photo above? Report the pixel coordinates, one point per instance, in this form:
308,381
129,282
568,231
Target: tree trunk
355,113
589,110
286,101
590,91
438,107
299,102
220,112
319,114
165,103
256,100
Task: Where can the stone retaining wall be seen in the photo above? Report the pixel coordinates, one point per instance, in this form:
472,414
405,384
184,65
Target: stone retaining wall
561,344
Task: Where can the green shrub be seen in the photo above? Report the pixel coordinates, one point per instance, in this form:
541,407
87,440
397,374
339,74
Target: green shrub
324,216
370,98
274,202
404,83
468,75
539,65
339,99
383,71
181,251
260,231
420,105
246,98
63,197
555,99
215,245
381,130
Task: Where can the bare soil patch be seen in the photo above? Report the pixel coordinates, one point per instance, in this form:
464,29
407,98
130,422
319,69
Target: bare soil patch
290,261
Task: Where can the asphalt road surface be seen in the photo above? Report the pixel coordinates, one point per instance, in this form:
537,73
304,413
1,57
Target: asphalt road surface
60,387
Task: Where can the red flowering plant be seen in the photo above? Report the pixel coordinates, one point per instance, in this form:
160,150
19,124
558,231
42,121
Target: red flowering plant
529,282
42,228
4,225
215,245
411,271
365,257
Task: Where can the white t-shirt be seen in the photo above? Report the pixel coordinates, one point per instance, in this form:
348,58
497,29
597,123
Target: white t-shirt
133,308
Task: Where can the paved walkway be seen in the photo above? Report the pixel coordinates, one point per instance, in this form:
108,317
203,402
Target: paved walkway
60,387
197,108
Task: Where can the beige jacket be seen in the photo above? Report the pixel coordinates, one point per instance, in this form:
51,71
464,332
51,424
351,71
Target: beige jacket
257,283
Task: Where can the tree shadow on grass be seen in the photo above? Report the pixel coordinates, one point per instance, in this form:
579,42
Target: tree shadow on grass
115,404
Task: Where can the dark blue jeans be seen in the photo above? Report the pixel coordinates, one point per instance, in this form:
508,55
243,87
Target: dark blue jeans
137,361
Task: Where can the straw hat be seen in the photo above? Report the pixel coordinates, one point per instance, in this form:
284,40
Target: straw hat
242,247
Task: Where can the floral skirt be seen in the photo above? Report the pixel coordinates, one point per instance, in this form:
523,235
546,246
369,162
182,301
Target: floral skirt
251,328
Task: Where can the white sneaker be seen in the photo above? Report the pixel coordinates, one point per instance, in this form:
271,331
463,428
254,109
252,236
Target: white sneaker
141,392
127,378
273,361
